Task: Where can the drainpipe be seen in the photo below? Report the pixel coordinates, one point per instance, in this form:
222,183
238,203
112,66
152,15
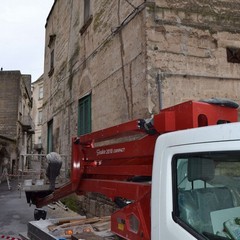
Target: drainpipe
25,151
160,93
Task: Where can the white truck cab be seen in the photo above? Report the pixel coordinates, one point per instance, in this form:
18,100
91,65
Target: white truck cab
195,184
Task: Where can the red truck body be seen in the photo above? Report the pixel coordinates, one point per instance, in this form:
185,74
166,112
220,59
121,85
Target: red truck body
117,162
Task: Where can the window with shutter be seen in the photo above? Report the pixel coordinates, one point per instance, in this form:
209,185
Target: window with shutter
84,115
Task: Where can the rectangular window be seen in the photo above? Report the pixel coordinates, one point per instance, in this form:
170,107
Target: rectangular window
51,46
50,137
86,10
84,115
207,193
52,60
40,93
40,117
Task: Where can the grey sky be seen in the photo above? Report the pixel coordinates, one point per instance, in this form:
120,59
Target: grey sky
22,35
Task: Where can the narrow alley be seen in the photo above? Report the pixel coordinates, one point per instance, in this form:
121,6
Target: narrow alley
15,213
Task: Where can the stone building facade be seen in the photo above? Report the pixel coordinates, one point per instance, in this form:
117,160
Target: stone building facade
110,61
37,100
193,50
16,126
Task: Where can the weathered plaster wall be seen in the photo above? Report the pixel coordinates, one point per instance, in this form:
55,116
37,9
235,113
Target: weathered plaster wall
186,47
107,59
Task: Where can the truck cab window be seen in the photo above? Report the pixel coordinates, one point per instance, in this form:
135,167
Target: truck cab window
207,194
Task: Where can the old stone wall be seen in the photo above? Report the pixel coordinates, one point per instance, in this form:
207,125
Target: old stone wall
187,45
112,64
135,60
105,57
37,99
15,105
10,89
55,80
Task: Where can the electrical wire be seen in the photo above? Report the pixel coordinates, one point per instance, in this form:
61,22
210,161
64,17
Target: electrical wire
108,38
131,4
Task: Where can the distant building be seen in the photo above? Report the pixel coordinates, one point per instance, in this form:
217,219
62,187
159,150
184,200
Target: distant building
37,99
110,61
16,126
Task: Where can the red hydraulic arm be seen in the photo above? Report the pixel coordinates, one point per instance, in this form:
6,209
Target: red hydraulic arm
122,169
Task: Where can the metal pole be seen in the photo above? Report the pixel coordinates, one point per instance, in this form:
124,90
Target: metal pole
25,149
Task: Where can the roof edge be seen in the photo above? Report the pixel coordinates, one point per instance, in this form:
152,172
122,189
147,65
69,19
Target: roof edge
50,12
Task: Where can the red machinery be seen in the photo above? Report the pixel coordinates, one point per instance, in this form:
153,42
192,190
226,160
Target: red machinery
123,170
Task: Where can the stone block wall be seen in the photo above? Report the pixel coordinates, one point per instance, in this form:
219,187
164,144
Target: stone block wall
10,89
187,51
15,105
107,59
97,205
135,59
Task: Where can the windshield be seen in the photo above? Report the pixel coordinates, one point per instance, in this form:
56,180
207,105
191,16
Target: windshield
207,194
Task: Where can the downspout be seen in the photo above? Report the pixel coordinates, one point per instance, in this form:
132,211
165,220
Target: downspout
159,80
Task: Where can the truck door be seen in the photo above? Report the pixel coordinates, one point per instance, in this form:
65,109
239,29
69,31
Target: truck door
202,192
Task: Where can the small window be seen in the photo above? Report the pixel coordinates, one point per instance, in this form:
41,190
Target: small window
51,71
233,55
40,117
40,92
51,45
86,10
52,59
87,17
84,115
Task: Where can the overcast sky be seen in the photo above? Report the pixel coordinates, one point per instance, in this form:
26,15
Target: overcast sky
22,35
